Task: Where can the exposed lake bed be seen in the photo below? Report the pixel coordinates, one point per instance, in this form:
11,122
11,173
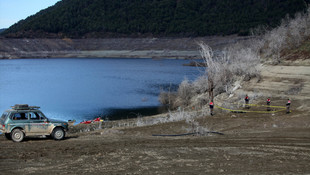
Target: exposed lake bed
173,48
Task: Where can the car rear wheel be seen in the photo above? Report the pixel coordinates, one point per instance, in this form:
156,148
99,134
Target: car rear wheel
17,135
58,134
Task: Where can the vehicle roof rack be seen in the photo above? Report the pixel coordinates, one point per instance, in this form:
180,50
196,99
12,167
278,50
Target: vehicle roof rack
24,107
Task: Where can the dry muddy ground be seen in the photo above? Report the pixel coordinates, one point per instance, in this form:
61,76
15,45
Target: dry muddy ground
253,143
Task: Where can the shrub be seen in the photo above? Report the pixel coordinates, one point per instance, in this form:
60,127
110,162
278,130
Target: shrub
167,98
184,93
289,35
200,85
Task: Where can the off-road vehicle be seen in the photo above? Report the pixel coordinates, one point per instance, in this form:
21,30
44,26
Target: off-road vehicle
24,120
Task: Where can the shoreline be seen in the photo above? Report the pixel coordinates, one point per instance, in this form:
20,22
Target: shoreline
148,54
155,48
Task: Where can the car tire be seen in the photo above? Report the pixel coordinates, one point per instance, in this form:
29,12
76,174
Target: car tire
58,134
8,136
17,135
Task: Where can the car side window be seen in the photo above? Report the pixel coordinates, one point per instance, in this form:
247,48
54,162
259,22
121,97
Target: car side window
20,116
34,116
41,115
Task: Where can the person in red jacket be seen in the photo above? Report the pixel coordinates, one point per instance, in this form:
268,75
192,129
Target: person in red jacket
268,103
288,104
211,107
247,99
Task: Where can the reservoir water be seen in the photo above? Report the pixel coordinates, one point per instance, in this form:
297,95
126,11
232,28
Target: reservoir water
85,88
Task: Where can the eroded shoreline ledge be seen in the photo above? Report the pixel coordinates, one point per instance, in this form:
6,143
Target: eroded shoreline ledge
174,48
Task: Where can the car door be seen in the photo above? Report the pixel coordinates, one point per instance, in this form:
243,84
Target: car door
19,120
38,125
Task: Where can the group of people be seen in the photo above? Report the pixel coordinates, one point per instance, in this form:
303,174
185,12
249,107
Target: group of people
288,104
247,100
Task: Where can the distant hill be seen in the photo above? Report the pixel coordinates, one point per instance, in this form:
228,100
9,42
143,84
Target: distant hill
115,18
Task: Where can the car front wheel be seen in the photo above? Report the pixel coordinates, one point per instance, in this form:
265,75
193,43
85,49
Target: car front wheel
17,135
58,134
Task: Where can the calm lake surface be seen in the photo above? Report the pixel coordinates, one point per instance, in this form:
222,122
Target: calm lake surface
83,89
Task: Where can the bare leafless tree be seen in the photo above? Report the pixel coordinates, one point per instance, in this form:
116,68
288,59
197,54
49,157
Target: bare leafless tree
212,67
236,61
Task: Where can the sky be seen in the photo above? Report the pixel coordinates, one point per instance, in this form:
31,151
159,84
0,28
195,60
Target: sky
12,11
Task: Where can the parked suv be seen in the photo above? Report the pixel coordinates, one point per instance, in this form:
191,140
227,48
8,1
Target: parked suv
23,120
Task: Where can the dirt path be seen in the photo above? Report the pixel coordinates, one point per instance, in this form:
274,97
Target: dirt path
252,143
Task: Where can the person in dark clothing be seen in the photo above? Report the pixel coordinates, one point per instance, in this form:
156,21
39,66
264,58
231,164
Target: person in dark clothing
268,104
247,99
211,107
288,104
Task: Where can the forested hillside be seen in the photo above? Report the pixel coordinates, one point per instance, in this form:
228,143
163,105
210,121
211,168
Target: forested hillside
102,18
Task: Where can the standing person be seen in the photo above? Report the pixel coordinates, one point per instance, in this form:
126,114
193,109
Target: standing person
268,103
288,104
211,107
247,99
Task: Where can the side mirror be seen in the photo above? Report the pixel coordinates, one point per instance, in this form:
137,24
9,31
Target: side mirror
46,120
